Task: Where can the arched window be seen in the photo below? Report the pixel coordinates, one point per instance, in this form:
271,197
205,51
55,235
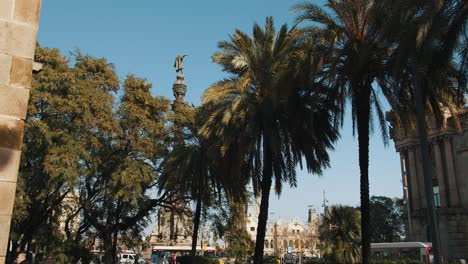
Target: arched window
272,245
266,243
290,243
296,244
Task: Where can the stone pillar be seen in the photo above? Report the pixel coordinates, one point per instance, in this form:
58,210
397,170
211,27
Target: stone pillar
452,184
413,183
18,29
440,173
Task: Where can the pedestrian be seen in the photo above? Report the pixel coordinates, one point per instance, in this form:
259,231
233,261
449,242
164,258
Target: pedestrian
21,259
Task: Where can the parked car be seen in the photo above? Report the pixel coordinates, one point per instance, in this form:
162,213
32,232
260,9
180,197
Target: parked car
127,258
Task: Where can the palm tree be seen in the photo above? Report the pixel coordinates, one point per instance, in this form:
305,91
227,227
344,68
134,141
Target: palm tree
429,39
188,167
356,60
264,119
341,232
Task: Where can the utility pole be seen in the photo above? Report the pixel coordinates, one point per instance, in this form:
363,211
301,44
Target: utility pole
324,205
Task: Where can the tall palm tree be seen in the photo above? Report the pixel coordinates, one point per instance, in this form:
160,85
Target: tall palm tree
430,38
341,232
189,166
264,123
356,60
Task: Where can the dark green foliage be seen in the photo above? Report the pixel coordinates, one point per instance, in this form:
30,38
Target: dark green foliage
341,234
114,192
240,245
191,166
86,153
387,222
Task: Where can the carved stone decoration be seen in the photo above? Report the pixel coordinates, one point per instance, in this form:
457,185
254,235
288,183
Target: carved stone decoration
179,88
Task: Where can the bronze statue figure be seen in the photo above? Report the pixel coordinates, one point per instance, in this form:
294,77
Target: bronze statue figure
178,63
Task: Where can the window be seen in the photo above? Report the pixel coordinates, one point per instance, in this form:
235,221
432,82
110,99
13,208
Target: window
252,228
435,189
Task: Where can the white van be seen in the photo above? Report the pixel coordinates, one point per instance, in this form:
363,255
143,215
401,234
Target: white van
127,258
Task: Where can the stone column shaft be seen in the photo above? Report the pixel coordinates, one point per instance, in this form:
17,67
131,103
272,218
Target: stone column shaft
439,173
413,182
18,30
452,185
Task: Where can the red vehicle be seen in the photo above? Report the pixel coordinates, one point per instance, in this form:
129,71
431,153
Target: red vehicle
410,251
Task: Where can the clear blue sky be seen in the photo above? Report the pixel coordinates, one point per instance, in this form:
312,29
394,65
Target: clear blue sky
144,36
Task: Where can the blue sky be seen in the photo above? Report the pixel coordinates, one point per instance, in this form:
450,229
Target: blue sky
143,37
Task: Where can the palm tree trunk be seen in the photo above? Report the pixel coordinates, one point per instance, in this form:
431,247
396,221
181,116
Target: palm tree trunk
196,221
427,170
264,203
363,116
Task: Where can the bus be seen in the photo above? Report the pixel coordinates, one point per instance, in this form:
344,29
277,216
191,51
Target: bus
407,252
161,254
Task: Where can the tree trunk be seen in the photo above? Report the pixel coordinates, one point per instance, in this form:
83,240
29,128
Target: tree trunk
114,244
196,221
427,170
108,251
264,202
363,117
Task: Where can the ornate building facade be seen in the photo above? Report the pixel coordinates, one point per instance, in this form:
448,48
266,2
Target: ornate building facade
300,236
449,153
172,228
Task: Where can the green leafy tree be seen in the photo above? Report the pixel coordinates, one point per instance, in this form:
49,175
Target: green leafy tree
262,133
239,244
62,108
387,223
341,233
114,191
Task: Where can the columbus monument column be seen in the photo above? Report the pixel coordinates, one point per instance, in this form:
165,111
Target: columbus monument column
173,227
19,21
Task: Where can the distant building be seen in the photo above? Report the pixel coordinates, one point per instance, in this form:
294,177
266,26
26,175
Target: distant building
301,236
70,215
449,153
172,227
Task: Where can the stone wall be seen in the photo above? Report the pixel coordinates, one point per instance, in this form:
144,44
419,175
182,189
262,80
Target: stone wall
18,30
